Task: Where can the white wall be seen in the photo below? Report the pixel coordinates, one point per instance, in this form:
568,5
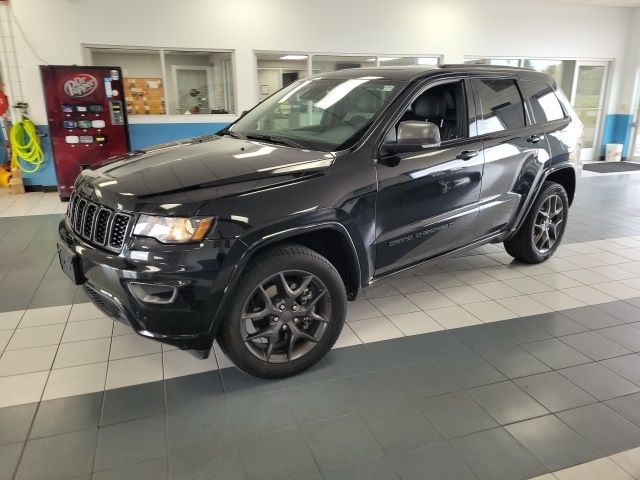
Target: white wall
453,28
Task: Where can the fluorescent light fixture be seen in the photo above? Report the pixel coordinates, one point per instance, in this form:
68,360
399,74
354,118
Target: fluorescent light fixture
427,61
338,92
388,59
293,57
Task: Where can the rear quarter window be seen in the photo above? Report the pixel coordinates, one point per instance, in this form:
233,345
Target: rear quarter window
544,102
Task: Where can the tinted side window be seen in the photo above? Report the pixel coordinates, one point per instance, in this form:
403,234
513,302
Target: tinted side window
502,107
544,103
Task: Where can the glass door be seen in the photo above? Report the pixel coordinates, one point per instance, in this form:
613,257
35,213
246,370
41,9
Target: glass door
588,102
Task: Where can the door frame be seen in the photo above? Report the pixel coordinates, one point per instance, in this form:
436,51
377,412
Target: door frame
593,153
210,88
635,132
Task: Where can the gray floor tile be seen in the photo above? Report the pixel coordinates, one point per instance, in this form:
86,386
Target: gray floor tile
350,361
514,362
437,461
555,353
603,428
399,427
557,324
203,390
496,455
594,345
189,429
282,454
436,345
377,469
623,311
624,335
204,462
470,370
15,422
599,381
9,456
134,402
237,383
320,372
325,400
554,392
59,456
261,414
553,442
456,414
155,469
340,441
67,415
627,406
131,442
507,403
627,367
591,317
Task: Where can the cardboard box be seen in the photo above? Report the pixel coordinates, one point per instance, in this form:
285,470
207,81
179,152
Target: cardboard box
16,186
16,173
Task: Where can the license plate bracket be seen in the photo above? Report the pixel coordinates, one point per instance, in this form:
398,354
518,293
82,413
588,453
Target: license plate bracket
70,264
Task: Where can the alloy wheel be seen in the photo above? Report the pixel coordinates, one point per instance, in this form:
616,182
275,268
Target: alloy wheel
285,316
547,226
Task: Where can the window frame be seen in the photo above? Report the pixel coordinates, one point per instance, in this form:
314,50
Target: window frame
523,82
167,117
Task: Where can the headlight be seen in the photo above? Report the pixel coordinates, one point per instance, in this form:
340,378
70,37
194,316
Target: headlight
173,229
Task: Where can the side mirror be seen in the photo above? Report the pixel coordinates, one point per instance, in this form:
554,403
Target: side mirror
414,136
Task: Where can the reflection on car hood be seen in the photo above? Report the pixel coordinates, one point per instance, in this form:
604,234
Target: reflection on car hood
203,162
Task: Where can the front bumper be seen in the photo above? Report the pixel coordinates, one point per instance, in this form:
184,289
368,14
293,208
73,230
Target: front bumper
186,321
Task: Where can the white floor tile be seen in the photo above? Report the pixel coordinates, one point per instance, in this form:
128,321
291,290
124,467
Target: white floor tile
361,309
84,311
36,317
27,360
222,360
479,261
66,382
588,295
557,280
442,280
120,328
132,345
619,290
462,295
83,352
474,276
375,329
430,300
490,311
415,323
497,289
523,305
381,289
587,276
36,337
614,272
178,363
530,269
134,371
561,264
347,338
453,317
601,469
5,335
453,265
10,320
503,273
87,330
630,253
394,305
629,460
410,284
557,300
21,389
529,285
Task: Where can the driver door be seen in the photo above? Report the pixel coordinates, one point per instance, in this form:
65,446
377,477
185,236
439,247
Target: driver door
428,199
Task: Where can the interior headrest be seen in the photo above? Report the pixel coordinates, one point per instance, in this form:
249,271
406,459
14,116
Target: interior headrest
430,105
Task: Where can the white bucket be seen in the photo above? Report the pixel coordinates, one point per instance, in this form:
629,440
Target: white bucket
613,152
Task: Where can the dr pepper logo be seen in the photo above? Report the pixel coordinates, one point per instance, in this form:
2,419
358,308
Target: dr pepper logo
80,85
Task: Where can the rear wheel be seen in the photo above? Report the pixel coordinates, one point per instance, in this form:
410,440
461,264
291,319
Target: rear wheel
541,233
286,314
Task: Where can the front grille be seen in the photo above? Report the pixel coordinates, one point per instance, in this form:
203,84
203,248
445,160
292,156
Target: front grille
97,224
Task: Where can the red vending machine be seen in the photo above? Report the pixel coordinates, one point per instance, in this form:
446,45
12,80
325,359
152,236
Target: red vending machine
87,118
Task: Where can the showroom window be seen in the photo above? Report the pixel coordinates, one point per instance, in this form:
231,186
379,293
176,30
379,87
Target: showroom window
276,70
172,82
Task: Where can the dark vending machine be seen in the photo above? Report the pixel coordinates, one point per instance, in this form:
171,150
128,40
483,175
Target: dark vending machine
87,118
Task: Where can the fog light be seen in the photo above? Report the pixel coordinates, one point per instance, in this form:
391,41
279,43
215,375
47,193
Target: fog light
153,293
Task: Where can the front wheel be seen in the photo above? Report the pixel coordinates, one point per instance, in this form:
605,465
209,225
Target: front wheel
541,233
286,313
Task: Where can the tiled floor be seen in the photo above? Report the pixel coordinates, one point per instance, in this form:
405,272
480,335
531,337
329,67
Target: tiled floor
473,367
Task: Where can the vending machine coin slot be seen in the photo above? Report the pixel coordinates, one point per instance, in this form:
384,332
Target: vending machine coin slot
117,117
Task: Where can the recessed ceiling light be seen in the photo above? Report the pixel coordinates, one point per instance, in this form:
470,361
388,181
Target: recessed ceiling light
293,57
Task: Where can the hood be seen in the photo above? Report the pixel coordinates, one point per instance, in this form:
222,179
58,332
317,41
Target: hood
200,163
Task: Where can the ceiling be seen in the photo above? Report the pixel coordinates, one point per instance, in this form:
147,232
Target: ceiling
608,3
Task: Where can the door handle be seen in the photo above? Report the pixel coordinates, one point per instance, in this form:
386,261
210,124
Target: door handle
467,154
534,138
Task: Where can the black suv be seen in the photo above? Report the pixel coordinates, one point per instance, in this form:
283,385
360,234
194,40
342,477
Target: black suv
258,235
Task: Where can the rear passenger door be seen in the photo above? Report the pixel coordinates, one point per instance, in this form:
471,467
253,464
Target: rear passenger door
514,152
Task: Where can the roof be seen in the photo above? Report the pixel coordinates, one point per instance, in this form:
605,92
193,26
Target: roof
411,72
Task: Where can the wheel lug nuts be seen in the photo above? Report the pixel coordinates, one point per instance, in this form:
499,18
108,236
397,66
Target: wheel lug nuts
275,319
295,307
284,327
282,307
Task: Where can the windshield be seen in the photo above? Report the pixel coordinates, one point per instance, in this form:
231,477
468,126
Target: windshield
320,113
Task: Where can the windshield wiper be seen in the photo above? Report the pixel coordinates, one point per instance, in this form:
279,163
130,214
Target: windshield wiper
233,134
275,139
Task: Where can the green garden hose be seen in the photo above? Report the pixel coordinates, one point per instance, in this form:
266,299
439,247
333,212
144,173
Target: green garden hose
26,151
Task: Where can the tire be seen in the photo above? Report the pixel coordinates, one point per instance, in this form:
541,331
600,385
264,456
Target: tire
263,311
526,245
